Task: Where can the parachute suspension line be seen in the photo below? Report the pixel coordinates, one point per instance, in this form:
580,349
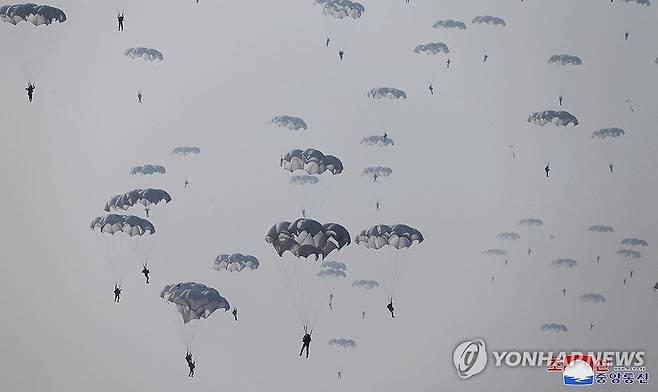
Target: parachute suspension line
318,304
388,275
291,292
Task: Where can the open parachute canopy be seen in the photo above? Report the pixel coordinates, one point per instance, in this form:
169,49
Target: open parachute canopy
36,14
146,54
129,224
386,92
398,236
565,59
342,343
489,20
291,122
367,284
432,48
608,133
235,262
148,170
341,9
379,171
377,140
449,24
306,237
303,179
185,150
194,300
558,118
311,161
145,197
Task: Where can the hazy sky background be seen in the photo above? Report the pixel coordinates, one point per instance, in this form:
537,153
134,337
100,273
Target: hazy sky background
229,67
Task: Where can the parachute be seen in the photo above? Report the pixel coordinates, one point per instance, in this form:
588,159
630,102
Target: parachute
36,14
145,197
365,284
146,54
608,133
432,48
235,262
331,273
194,302
185,150
303,179
489,20
290,122
554,328
449,24
565,59
634,242
340,9
494,252
379,141
380,171
601,229
334,265
510,236
386,92
396,238
342,343
311,161
592,298
301,239
119,233
147,170
559,118
564,263
639,2
629,253
530,222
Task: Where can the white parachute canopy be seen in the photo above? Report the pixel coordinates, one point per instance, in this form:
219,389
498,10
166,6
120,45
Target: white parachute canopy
36,14
146,54
291,122
489,20
433,48
194,300
558,118
340,9
449,24
387,92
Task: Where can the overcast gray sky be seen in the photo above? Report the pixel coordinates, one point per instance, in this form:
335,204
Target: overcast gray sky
229,67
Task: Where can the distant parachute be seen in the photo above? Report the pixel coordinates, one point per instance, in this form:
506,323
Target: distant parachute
629,253
290,122
449,24
377,140
559,118
185,150
311,161
432,48
639,2
601,229
554,328
342,343
303,179
235,262
147,170
510,235
36,14
634,242
380,171
565,59
334,265
342,8
608,132
146,54
331,273
494,252
592,298
530,222
365,284
144,197
387,92
564,263
489,20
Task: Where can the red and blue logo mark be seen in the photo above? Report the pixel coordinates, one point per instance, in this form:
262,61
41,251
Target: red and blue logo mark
577,369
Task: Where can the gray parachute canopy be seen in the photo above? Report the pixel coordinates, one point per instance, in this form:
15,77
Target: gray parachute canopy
531,222
290,122
145,197
147,170
593,298
340,9
185,150
554,328
449,24
495,252
380,171
194,300
564,263
601,229
36,14
489,20
559,118
377,140
432,48
565,59
331,273
235,262
334,265
129,224
146,54
608,132
634,242
639,2
386,92
342,343
366,284
629,253
311,161
305,237
398,236
303,179
508,235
